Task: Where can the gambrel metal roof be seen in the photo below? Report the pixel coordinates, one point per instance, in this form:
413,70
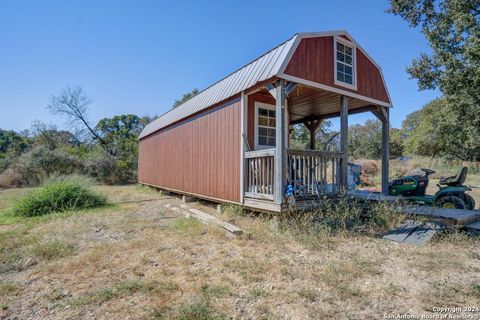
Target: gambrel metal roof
269,65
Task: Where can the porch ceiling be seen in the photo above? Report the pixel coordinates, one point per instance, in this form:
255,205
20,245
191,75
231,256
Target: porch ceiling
305,103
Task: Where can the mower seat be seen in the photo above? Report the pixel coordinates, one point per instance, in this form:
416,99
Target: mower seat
456,180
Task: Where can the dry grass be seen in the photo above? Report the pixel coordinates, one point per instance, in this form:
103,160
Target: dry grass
139,260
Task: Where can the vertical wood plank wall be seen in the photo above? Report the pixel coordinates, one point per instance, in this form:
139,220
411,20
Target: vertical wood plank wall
200,155
313,60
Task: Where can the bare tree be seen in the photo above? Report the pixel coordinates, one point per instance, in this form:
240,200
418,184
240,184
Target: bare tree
72,104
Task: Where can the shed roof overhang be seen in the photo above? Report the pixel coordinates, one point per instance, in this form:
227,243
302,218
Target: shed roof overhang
308,103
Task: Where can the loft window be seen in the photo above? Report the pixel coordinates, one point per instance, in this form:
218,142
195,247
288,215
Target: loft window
265,126
344,64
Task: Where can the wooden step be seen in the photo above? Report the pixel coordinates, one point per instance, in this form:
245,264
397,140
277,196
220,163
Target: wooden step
444,215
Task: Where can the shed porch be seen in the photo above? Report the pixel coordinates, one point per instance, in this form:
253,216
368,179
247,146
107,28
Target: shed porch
231,142
269,163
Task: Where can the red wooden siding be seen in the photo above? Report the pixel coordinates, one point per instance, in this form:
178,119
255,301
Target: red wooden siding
313,60
251,114
199,155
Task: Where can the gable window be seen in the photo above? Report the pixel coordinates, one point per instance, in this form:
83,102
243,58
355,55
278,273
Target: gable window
264,126
345,72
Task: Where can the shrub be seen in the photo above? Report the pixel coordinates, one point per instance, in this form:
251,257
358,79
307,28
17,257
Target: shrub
35,166
336,215
382,216
370,167
10,179
112,170
63,193
315,228
370,171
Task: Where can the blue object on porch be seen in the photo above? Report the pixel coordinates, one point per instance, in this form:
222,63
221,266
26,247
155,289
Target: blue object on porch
290,190
290,195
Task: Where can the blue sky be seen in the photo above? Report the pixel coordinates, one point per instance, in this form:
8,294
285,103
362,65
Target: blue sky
139,56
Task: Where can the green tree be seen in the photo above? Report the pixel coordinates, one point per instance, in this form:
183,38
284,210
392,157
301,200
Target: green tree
12,145
300,136
146,120
396,142
28,158
422,130
120,135
452,27
48,151
49,137
365,140
12,142
186,97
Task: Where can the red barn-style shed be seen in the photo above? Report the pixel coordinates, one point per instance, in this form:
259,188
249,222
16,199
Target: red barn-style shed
231,142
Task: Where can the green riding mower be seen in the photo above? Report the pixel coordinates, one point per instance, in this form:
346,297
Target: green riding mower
451,191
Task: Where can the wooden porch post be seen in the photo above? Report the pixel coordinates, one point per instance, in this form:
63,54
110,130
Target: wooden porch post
383,114
344,140
312,126
385,149
312,139
280,152
243,137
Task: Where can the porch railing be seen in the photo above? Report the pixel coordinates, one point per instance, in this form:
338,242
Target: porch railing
310,172
313,171
260,174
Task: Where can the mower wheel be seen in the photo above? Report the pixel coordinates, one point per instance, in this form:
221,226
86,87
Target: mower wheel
469,202
451,202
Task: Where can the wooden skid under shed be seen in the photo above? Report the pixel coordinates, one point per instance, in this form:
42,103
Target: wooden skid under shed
207,218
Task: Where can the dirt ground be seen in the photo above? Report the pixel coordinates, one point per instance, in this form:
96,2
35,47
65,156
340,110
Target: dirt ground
140,260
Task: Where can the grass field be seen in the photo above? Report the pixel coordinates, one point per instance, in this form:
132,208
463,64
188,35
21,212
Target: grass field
139,260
